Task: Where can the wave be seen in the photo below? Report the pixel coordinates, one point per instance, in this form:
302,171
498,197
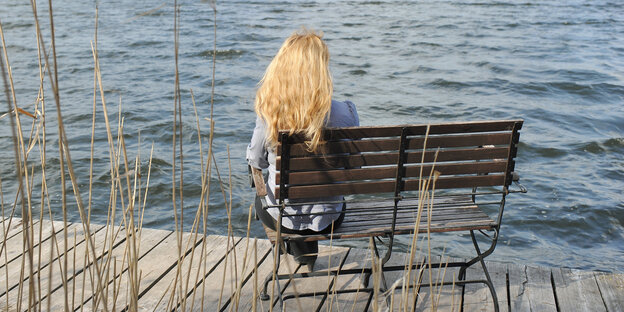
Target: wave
612,145
535,150
443,83
358,72
227,54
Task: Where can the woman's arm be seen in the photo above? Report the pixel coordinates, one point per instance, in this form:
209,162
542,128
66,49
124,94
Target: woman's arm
257,153
257,156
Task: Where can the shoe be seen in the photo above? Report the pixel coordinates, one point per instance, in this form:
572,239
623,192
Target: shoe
307,261
305,253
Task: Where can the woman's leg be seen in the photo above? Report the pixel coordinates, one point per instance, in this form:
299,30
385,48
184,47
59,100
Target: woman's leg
307,252
264,216
303,252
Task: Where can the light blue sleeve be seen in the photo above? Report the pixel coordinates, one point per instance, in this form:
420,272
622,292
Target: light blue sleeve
257,153
355,119
343,114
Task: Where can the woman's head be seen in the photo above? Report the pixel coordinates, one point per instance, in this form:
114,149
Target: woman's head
296,90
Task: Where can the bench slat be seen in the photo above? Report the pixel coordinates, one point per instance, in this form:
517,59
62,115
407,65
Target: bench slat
377,145
344,175
356,227
309,191
406,218
446,128
465,216
377,159
381,231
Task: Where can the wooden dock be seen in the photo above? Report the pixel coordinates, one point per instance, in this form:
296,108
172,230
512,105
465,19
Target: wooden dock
219,273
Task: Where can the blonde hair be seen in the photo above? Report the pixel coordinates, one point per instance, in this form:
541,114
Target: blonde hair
296,90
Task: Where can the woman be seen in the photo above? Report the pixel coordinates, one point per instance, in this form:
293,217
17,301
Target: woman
295,94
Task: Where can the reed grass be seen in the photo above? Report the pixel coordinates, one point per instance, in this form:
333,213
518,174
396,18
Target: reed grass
102,269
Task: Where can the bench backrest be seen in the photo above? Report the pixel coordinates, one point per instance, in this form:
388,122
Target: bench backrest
366,160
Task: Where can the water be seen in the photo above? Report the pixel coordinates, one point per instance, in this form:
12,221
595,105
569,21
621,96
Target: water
559,65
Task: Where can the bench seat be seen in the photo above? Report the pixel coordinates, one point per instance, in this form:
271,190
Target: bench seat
374,218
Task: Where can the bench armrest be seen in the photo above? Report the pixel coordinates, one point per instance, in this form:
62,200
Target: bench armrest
515,178
256,179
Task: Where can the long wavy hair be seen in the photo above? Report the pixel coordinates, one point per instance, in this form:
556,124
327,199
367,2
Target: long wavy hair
296,90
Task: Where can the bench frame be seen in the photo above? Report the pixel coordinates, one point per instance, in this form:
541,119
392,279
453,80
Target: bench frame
367,154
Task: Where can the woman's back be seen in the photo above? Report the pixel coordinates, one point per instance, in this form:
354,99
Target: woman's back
342,114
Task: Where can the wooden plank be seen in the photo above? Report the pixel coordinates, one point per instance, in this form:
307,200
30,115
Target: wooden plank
446,224
311,191
262,265
161,286
345,175
465,225
431,295
153,265
409,215
435,296
386,131
344,146
439,213
439,204
239,268
384,215
393,300
113,267
409,202
376,145
18,268
460,182
530,289
403,221
611,290
482,167
328,258
287,266
42,254
10,227
379,159
477,297
356,259
14,246
440,226
54,287
577,290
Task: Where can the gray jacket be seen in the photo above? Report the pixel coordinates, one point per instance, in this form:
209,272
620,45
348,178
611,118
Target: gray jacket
343,114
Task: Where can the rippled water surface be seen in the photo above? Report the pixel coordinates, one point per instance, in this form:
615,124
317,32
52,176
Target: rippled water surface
559,65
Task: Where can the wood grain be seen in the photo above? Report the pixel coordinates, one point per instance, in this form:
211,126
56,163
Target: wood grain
577,290
611,290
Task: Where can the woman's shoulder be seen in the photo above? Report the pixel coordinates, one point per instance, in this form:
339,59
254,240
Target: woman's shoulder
343,114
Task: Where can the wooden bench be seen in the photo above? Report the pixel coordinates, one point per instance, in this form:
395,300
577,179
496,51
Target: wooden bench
472,164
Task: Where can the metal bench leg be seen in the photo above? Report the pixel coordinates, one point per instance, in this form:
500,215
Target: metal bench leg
264,295
479,258
366,277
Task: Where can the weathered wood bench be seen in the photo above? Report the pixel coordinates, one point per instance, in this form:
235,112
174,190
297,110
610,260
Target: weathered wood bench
398,166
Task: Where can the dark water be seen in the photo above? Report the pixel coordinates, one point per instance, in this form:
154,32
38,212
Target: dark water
557,64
